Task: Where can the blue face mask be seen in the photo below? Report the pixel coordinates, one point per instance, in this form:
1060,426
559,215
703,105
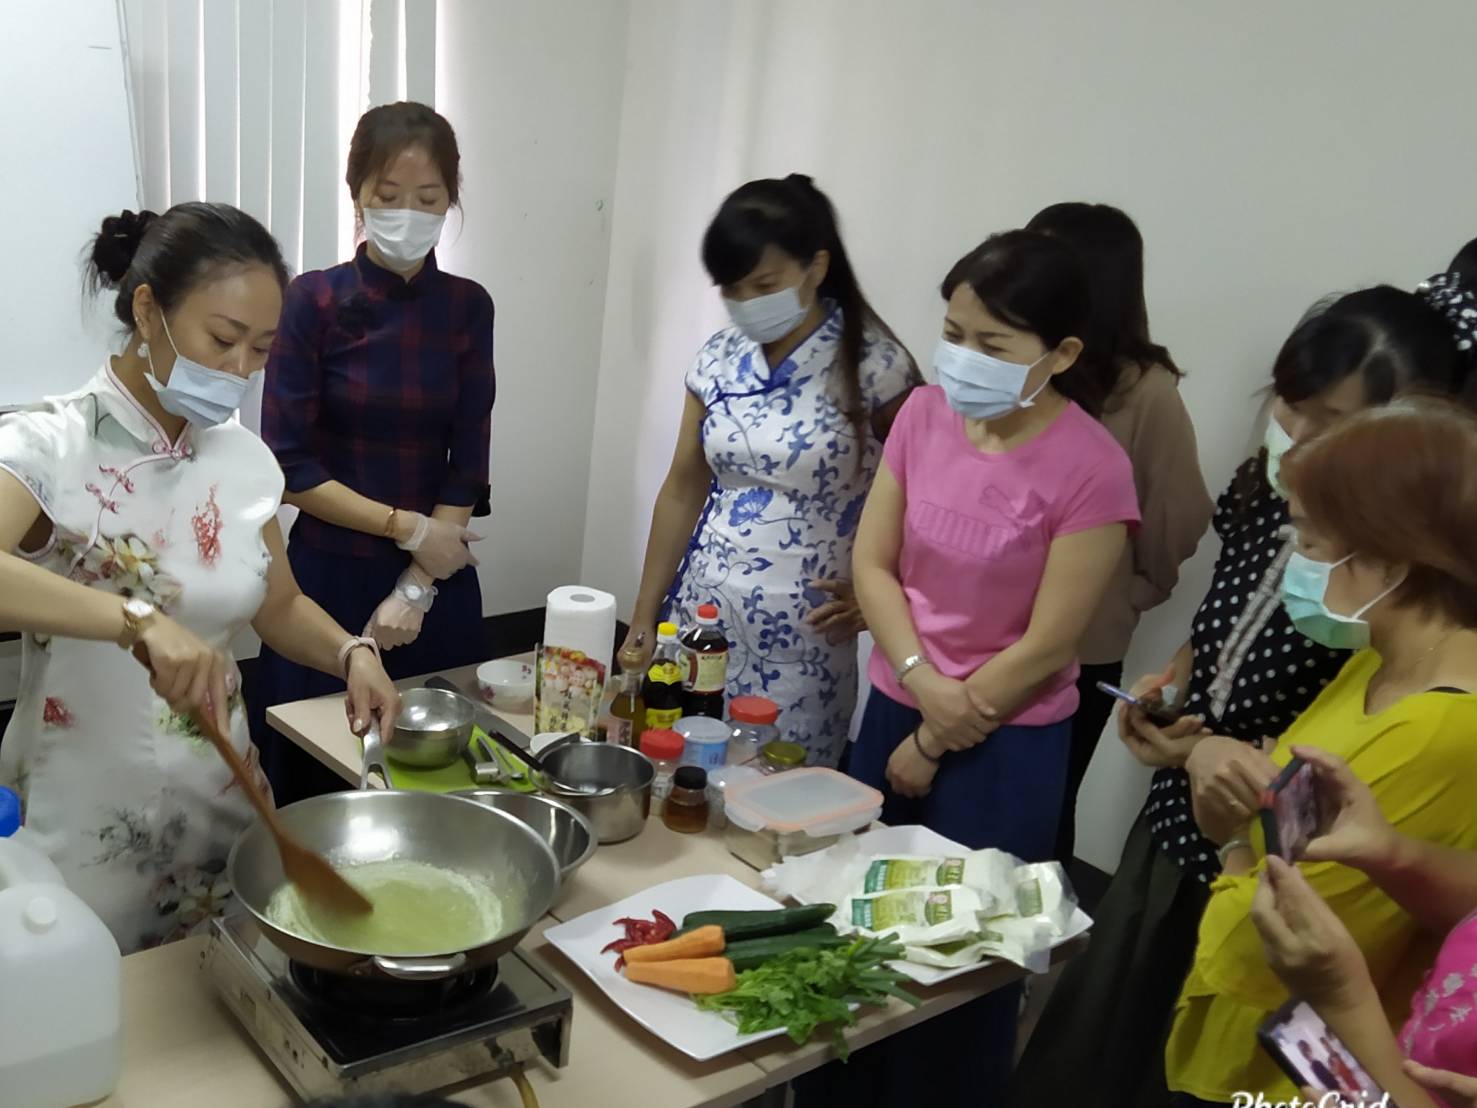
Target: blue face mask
206,397
979,386
1304,588
1278,442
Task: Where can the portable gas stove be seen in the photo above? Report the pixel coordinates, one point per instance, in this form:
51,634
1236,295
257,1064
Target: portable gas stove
330,1033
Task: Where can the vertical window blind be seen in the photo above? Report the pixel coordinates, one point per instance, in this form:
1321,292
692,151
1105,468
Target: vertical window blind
253,102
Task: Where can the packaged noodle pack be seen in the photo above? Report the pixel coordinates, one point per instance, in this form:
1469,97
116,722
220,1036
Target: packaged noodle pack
1014,940
990,873
920,916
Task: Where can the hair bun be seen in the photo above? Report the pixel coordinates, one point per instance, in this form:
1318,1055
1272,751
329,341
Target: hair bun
801,180
117,242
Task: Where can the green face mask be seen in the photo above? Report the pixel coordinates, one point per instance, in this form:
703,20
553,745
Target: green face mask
1278,442
1304,587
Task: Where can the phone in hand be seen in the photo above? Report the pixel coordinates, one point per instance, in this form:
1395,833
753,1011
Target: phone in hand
1158,712
1290,811
1314,1057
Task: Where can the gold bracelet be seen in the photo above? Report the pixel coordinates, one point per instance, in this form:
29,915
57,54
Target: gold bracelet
389,531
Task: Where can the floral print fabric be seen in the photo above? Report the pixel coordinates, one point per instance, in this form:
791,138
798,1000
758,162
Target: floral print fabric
790,479
131,801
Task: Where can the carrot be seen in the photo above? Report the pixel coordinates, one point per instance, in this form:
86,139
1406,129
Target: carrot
704,942
700,976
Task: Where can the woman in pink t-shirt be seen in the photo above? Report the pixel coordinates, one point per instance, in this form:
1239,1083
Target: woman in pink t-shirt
1433,1061
999,512
995,521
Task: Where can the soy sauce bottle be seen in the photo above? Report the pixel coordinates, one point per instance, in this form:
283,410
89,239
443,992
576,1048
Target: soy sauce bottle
706,653
661,693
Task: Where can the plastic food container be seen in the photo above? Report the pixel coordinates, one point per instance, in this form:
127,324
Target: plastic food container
797,812
753,719
705,741
720,781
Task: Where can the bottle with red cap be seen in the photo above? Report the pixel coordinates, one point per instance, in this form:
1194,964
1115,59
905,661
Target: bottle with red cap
664,749
706,651
753,719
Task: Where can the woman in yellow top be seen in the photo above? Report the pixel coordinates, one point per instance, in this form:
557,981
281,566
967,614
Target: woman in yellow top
1385,508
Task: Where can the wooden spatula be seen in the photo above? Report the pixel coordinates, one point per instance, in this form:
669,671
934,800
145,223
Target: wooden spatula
318,881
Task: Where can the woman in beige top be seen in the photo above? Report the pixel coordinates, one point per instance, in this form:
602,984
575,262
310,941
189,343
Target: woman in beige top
1144,412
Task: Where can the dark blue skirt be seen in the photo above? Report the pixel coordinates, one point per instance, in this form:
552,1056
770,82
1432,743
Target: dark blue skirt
349,590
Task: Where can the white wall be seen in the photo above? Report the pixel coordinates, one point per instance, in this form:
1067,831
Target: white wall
69,162
534,91
1271,153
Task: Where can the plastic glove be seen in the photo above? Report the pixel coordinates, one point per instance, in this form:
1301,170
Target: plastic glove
394,623
439,547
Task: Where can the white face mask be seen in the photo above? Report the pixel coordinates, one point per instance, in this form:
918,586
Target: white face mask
1278,442
982,387
767,318
402,237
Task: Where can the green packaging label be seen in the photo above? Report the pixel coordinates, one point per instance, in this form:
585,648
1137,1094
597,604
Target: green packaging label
882,913
903,873
1028,898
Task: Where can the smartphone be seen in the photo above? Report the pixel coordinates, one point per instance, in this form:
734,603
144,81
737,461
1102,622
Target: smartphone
1313,1056
1158,713
1290,815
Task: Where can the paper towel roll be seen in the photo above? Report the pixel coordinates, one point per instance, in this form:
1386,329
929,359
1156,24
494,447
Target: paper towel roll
581,619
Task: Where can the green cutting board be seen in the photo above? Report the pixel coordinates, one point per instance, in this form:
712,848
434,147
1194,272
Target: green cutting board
458,775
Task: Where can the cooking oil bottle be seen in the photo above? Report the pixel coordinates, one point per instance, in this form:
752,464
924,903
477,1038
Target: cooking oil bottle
627,720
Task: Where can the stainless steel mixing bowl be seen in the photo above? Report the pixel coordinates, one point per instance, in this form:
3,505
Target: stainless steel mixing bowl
609,785
567,832
433,729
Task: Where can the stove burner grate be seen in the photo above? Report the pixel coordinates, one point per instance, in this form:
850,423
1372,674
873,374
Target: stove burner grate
374,999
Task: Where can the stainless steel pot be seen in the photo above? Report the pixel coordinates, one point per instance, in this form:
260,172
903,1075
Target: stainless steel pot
609,785
442,830
433,729
565,830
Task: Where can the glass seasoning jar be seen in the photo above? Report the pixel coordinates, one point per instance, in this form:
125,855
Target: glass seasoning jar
776,757
753,719
686,807
664,748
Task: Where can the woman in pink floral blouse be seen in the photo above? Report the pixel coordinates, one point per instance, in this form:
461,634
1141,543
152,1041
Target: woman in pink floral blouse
138,513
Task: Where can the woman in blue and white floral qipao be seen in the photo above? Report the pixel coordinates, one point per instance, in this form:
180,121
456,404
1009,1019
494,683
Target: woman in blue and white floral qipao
780,437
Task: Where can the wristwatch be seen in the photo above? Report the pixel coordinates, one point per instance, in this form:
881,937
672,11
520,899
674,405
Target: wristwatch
416,595
137,615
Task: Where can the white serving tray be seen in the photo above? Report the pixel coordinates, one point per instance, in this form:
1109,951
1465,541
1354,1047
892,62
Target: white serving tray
671,1016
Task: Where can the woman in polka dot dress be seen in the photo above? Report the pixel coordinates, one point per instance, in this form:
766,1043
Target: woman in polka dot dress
1245,675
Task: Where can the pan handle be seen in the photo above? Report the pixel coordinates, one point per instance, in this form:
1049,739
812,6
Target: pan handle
420,969
374,756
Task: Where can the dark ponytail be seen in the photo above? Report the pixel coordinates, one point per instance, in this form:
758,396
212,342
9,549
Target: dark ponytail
175,252
797,217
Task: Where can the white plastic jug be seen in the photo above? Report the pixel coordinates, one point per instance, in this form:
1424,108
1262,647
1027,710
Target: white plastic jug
60,1002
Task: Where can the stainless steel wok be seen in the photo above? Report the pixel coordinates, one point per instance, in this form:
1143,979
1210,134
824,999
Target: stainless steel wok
447,831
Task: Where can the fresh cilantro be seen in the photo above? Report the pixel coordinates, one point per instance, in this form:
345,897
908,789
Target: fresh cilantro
808,988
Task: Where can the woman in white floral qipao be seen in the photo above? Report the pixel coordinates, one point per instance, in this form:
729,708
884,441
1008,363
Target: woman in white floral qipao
137,512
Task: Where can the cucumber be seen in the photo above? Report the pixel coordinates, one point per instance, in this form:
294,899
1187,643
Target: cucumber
751,953
738,926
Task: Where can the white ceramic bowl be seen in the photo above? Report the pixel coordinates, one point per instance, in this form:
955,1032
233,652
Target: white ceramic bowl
506,684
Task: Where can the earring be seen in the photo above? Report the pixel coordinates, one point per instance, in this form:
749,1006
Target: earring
143,350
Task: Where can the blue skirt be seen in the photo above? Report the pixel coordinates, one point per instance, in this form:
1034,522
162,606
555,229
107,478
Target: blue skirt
349,590
1004,793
